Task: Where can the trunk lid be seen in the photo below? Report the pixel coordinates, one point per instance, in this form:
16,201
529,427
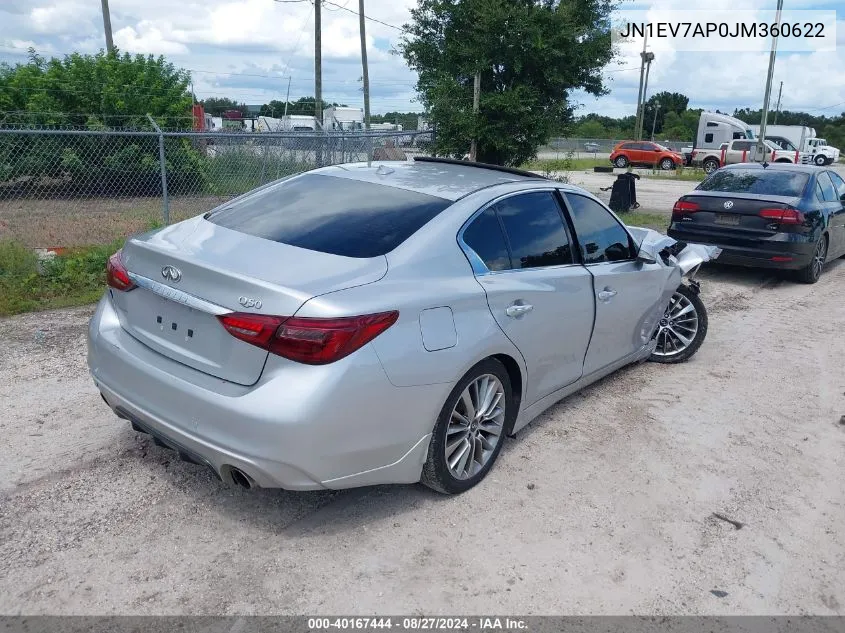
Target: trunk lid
213,270
733,219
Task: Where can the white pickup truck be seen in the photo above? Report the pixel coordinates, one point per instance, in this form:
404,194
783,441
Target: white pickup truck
740,151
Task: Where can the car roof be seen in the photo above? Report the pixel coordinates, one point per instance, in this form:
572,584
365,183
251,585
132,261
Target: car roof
451,180
807,169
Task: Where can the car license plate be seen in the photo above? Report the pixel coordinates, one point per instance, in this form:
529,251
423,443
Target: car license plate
724,218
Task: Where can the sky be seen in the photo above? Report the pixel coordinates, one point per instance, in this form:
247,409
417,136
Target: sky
249,49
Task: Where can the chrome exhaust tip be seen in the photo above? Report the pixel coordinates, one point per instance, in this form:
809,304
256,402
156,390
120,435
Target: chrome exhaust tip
240,478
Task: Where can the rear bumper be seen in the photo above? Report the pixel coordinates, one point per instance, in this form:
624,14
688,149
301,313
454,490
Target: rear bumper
785,255
299,427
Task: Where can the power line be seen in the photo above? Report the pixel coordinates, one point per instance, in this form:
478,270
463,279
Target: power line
367,17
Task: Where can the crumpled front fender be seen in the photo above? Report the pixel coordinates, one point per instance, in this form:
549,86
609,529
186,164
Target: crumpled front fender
662,248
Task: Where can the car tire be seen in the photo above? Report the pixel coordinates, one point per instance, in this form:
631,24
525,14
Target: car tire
820,160
621,162
665,352
443,470
812,272
710,165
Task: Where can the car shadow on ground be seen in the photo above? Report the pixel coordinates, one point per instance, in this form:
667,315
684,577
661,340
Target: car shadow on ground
277,511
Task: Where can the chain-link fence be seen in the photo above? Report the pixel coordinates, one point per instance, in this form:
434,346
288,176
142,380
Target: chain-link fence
78,187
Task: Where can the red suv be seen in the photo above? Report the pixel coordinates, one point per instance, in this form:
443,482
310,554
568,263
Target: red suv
645,153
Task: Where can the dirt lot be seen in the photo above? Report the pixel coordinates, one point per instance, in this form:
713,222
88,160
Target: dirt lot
603,505
65,223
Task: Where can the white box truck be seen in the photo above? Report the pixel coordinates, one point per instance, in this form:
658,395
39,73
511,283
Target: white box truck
343,118
803,139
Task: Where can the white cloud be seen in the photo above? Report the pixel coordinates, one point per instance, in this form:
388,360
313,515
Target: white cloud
148,39
63,17
247,49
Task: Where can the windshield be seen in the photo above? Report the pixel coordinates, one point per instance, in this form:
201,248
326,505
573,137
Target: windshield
772,182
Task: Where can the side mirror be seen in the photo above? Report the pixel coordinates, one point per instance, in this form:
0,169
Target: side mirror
643,258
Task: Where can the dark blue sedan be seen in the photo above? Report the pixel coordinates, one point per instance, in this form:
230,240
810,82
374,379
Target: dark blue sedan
769,216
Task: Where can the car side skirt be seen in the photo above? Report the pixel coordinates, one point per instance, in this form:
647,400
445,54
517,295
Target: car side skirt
532,411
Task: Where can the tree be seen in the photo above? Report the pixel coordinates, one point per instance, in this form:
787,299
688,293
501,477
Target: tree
530,54
590,129
95,92
408,120
216,106
303,105
668,102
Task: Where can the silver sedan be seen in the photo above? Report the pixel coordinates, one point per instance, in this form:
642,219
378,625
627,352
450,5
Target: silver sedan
390,323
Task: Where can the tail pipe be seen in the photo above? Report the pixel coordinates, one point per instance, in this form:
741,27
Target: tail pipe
240,478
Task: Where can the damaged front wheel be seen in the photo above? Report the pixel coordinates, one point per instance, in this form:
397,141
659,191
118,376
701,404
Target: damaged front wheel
682,329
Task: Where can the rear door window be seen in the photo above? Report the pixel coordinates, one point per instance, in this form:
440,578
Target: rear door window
838,184
828,191
535,230
332,215
485,237
600,236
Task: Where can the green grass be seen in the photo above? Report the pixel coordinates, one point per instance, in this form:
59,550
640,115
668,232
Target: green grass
685,174
586,164
565,164
237,171
656,221
75,278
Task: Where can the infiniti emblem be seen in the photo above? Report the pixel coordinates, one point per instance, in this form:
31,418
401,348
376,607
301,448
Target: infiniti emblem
172,273
729,204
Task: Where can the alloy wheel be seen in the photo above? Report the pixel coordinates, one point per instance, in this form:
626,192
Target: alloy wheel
819,258
475,426
677,328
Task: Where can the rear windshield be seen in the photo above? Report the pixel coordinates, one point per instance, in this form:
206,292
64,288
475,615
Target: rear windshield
331,215
772,183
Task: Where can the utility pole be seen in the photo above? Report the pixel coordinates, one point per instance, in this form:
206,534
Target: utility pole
476,99
107,26
287,98
649,57
318,77
640,93
654,121
777,111
762,150
362,28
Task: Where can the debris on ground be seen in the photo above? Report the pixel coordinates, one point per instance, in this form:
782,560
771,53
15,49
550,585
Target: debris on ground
737,524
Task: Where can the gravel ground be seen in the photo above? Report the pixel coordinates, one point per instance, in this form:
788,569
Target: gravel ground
604,505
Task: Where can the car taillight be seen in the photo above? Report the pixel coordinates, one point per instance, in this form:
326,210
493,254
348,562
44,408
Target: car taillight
308,340
782,216
117,276
683,207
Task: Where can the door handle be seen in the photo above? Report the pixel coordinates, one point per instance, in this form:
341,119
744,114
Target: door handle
607,294
519,310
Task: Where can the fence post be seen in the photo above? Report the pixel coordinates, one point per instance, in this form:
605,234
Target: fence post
165,201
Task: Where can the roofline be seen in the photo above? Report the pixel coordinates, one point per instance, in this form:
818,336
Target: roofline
469,163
